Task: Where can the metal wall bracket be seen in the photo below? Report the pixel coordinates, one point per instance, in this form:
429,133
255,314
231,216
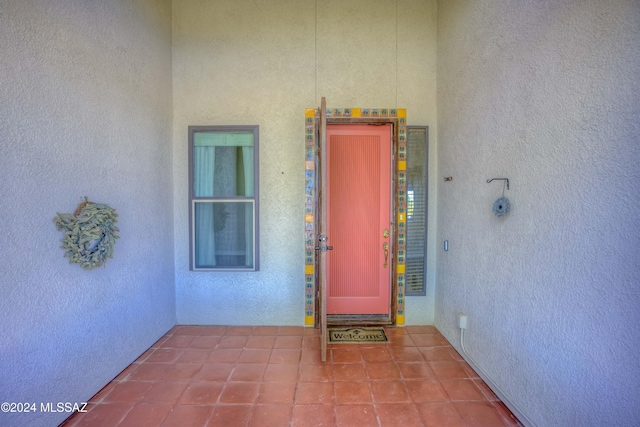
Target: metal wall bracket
499,179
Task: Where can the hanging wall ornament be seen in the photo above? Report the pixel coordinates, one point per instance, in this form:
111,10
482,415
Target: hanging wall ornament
501,206
89,234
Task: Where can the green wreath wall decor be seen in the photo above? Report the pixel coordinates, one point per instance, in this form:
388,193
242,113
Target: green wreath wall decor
89,234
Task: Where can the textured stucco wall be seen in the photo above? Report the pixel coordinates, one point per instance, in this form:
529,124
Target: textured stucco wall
85,110
264,62
546,94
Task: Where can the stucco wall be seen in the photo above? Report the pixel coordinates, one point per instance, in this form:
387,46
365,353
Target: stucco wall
546,94
264,62
85,110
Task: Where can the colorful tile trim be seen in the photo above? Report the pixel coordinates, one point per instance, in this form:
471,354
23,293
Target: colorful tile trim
401,206
309,216
311,117
390,113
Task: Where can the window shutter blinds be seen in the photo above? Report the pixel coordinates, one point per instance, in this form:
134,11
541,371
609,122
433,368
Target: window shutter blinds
417,157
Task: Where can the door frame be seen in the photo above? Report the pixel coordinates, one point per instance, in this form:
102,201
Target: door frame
397,119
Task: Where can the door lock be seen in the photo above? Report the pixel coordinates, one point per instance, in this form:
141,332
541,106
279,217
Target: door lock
323,244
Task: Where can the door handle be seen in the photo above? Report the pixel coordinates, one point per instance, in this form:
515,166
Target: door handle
385,247
323,244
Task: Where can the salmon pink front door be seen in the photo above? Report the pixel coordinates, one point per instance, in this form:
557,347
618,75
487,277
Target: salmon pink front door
358,219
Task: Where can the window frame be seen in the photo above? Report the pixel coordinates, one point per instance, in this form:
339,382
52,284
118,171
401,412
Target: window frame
192,130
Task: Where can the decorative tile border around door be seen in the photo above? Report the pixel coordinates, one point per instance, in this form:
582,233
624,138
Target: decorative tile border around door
312,116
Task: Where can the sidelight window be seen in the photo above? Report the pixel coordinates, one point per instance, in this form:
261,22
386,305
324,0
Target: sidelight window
417,161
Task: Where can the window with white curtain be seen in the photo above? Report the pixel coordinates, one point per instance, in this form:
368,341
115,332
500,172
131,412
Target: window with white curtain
223,205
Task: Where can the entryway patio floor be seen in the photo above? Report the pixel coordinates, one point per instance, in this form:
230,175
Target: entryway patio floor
272,376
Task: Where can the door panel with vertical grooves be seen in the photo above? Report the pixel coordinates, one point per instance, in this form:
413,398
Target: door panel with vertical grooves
354,211
358,211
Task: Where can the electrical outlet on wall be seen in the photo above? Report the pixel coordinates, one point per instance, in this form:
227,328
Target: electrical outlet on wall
462,321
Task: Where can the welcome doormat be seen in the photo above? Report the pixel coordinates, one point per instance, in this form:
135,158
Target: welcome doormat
357,335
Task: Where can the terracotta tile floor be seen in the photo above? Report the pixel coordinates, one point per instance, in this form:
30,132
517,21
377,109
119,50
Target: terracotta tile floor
272,376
